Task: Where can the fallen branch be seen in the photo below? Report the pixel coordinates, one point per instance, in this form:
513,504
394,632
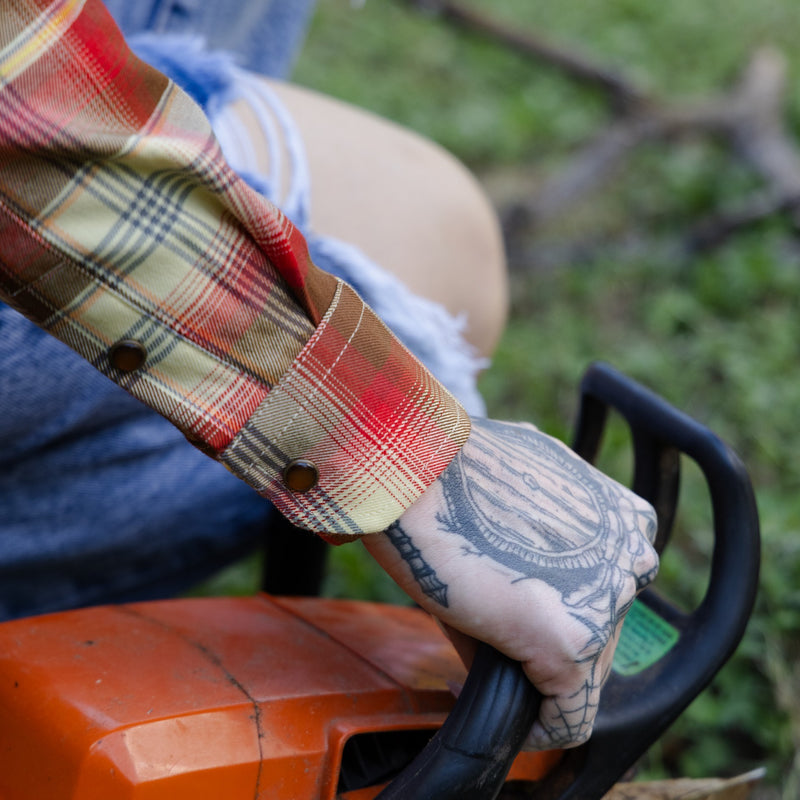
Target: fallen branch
749,117
717,229
623,92
739,788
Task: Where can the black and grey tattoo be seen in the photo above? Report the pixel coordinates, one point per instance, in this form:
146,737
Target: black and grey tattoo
513,481
527,503
424,574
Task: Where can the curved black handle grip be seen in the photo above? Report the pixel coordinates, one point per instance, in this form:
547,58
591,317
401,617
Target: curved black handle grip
636,709
470,755
661,434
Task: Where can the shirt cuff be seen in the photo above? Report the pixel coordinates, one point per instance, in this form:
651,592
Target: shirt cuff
355,431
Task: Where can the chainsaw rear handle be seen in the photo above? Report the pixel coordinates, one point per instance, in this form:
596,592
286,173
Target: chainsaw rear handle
471,754
636,709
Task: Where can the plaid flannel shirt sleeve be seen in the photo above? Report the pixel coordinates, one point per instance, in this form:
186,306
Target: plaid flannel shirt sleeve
121,221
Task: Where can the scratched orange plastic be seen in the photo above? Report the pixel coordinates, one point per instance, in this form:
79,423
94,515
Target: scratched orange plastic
214,698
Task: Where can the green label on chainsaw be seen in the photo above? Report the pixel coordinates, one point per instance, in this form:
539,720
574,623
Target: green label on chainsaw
644,640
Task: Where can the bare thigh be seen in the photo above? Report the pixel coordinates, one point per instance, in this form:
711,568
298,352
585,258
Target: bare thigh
407,203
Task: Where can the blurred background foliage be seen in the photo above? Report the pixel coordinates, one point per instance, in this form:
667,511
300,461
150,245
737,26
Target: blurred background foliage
714,333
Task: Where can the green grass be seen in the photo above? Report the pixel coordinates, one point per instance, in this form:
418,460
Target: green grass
718,339
489,105
716,335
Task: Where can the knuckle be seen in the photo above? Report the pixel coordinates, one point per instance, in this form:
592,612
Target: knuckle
575,737
562,673
650,526
646,518
649,559
646,568
583,735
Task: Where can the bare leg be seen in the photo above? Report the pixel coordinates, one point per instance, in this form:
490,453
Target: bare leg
407,203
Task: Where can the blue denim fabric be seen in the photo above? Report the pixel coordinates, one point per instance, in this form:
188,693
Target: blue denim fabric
265,34
101,499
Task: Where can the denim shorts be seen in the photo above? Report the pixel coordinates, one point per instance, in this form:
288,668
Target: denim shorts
265,35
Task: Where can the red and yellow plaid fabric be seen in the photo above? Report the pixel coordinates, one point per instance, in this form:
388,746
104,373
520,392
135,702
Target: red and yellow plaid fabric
120,219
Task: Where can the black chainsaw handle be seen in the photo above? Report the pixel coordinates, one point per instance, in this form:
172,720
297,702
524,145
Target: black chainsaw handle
661,434
636,709
470,756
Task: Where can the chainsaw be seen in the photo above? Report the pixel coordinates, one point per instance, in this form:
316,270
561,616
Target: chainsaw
306,698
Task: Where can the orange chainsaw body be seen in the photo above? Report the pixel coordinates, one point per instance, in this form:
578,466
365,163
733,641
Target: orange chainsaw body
229,698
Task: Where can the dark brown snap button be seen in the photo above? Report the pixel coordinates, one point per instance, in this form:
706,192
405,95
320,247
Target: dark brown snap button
300,475
127,355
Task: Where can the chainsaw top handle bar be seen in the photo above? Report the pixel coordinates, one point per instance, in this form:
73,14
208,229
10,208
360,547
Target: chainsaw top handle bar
471,754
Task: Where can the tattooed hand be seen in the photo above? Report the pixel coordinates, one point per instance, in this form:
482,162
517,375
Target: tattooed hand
523,545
